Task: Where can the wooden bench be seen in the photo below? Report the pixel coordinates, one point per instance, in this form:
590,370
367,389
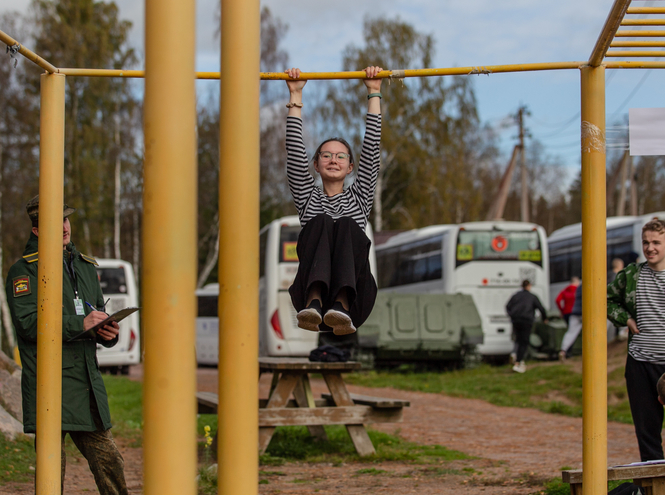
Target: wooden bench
291,379
650,477
376,402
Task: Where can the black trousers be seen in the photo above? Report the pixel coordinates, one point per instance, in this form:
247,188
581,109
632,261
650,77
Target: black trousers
641,379
522,329
335,255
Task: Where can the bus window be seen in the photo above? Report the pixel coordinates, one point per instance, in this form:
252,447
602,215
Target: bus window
112,280
207,306
263,239
288,240
411,263
499,245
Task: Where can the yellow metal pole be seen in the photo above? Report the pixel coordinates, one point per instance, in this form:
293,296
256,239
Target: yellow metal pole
397,74
594,279
646,10
169,249
627,33
634,64
30,55
641,44
636,53
643,22
612,23
239,248
49,289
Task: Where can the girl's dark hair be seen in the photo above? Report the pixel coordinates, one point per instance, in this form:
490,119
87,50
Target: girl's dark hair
339,140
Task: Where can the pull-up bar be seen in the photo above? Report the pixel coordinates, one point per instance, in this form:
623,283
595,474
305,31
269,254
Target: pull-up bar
30,55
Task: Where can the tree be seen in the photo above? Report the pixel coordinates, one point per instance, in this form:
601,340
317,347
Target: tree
19,141
434,152
85,33
275,197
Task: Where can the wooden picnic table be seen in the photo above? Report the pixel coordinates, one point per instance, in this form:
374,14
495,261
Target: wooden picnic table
291,378
650,477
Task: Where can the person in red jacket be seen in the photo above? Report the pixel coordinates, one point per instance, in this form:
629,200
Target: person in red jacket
566,298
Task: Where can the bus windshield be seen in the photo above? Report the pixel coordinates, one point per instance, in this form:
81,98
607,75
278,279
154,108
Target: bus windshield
288,240
476,245
112,280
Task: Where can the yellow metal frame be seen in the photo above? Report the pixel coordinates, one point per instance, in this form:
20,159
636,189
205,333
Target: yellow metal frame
170,239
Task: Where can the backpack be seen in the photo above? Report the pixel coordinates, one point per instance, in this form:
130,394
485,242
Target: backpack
329,354
626,489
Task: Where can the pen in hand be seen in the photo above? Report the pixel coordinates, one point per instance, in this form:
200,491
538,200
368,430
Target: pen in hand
95,309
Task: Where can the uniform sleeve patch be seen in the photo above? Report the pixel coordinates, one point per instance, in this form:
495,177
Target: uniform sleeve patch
22,286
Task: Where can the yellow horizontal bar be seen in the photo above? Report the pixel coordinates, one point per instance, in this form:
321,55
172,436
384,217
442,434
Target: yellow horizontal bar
643,22
646,10
102,73
635,53
634,64
272,76
635,44
486,69
639,34
30,55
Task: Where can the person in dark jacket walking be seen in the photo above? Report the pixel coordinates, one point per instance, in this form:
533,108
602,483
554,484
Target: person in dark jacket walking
85,409
521,309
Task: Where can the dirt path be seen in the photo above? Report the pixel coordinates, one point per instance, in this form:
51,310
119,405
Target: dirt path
517,449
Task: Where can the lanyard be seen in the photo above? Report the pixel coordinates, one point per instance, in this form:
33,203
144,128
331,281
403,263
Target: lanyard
69,265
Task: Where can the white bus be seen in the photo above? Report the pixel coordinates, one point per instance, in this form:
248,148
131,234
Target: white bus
487,260
279,334
116,278
207,325
624,240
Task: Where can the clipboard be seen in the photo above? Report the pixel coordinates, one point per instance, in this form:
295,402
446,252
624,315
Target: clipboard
118,316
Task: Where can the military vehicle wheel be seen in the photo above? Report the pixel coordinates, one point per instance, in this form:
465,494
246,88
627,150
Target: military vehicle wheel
367,357
469,357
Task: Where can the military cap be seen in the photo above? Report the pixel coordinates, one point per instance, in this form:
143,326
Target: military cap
33,209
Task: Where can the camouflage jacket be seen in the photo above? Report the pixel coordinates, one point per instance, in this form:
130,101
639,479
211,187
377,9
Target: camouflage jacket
621,295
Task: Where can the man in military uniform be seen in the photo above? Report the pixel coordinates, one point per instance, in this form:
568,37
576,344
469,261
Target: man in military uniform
85,410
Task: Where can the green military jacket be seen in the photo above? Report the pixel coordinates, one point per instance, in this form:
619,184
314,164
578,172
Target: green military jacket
82,384
621,295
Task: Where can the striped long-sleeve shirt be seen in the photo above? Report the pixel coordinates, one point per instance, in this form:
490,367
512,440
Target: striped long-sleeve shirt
355,201
649,344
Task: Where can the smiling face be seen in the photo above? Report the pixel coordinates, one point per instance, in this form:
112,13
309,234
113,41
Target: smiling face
333,169
653,246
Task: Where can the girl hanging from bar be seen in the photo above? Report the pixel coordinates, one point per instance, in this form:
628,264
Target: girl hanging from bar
334,288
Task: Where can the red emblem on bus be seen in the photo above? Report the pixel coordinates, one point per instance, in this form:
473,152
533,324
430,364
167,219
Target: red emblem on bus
499,244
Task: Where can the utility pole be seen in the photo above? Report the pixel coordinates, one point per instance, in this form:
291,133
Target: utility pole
524,203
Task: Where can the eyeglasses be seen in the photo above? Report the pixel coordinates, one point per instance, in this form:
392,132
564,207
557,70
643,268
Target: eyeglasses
327,155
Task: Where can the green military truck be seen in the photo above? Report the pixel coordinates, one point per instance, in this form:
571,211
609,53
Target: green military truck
437,329
545,339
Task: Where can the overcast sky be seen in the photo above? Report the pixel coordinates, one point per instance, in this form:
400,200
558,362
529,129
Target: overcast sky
467,33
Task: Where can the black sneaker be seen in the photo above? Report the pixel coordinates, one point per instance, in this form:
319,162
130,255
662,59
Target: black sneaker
339,320
310,317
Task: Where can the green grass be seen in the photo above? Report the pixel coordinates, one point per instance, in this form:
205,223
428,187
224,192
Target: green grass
125,405
16,459
552,388
294,444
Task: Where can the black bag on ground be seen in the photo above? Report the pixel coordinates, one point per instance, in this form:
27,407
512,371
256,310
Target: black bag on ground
329,354
627,489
